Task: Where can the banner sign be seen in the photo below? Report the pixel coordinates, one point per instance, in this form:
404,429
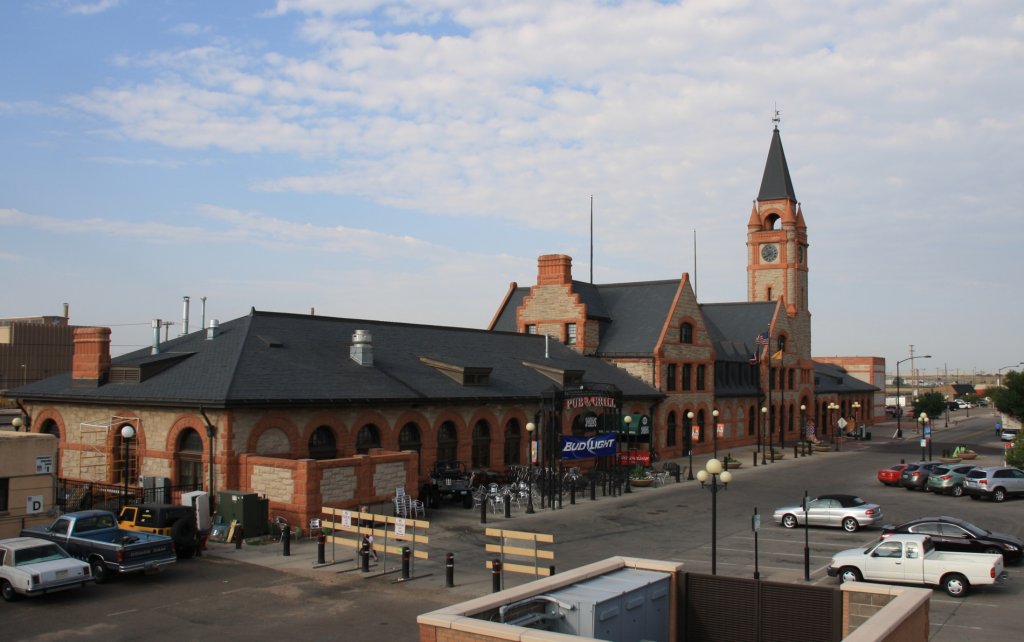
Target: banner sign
589,401
642,457
695,433
720,428
587,447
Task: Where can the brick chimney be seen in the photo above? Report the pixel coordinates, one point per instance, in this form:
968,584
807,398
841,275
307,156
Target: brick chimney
554,269
90,365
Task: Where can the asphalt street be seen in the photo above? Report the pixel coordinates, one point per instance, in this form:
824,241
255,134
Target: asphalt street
256,593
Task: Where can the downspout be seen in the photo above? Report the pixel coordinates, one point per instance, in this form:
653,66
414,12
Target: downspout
210,434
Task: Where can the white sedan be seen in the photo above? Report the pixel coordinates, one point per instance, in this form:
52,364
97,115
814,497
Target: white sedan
848,512
32,566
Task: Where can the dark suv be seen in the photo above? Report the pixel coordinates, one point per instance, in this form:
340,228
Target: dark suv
994,482
915,476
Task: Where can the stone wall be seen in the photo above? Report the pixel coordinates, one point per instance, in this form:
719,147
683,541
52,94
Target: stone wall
276,484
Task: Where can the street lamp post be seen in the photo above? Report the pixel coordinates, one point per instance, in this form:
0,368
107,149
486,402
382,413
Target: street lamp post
689,441
127,433
628,419
709,478
530,427
926,438
856,418
999,373
764,427
832,407
18,422
803,428
899,408
771,434
714,437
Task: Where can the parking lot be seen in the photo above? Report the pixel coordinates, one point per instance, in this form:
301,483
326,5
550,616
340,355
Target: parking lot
256,593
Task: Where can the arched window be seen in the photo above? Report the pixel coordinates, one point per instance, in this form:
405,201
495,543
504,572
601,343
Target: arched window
670,430
685,333
409,439
50,427
701,376
781,342
367,438
481,445
190,459
447,442
322,444
512,442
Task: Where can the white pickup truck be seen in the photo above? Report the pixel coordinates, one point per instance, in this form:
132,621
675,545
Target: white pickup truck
911,559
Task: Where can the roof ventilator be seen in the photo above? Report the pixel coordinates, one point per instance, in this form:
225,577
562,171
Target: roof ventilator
362,348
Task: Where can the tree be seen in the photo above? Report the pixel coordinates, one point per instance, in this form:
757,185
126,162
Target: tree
931,403
1009,398
1015,453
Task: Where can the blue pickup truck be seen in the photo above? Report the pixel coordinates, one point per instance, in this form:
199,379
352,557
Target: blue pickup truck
93,536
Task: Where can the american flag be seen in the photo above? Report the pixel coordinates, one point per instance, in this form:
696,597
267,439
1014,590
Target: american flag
762,339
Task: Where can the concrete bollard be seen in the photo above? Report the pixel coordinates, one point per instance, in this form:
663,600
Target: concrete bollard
508,506
286,541
321,541
572,493
364,554
483,510
406,561
239,536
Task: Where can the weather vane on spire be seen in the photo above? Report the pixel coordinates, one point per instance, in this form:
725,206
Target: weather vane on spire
777,119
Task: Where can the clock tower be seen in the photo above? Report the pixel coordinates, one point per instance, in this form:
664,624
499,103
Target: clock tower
777,240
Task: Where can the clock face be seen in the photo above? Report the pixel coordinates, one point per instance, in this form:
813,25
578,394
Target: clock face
769,253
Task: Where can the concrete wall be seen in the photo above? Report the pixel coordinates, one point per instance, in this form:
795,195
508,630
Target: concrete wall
882,613
19,453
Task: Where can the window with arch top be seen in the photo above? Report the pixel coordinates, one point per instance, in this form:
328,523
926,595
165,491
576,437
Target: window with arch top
685,332
367,438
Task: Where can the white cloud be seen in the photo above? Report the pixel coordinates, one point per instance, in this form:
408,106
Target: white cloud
88,8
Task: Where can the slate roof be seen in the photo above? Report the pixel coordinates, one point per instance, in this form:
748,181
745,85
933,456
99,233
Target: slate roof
734,326
268,358
776,182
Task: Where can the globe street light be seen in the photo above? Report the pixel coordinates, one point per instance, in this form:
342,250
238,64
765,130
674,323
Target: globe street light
999,373
127,433
530,427
17,422
709,478
832,407
628,419
856,417
764,427
714,420
689,442
899,408
926,437
803,428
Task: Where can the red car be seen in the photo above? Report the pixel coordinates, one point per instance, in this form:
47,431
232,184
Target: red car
891,476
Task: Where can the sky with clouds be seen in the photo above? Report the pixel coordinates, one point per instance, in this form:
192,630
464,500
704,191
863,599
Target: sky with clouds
406,161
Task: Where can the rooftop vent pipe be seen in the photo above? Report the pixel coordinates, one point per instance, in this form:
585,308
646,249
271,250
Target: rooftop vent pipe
213,330
184,317
156,337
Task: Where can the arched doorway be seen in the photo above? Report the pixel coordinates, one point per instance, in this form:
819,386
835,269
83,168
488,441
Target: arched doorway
190,459
481,445
409,439
512,443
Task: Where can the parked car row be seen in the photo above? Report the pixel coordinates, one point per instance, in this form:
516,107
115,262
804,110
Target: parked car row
990,482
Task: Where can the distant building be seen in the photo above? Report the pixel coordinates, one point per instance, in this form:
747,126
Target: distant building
34,348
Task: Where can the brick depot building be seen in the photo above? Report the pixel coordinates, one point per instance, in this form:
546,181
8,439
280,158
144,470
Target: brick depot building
313,411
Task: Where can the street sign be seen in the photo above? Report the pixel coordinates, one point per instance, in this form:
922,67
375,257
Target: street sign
346,519
34,504
400,526
841,423
756,523
924,442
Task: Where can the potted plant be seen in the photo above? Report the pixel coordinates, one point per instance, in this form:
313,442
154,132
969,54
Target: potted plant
777,454
963,452
731,463
638,476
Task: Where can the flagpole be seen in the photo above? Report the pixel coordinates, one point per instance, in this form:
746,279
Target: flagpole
771,409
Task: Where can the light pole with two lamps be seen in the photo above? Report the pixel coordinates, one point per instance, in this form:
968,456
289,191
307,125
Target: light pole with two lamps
530,428
709,478
926,435
832,407
899,407
127,434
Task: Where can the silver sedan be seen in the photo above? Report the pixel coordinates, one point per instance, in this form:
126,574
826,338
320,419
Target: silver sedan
846,511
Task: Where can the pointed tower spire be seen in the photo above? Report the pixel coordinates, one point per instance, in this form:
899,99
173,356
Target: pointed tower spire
776,183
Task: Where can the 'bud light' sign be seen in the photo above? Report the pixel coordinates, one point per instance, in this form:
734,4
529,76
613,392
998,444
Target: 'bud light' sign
587,447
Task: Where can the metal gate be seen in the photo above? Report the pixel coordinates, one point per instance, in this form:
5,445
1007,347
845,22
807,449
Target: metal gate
714,607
